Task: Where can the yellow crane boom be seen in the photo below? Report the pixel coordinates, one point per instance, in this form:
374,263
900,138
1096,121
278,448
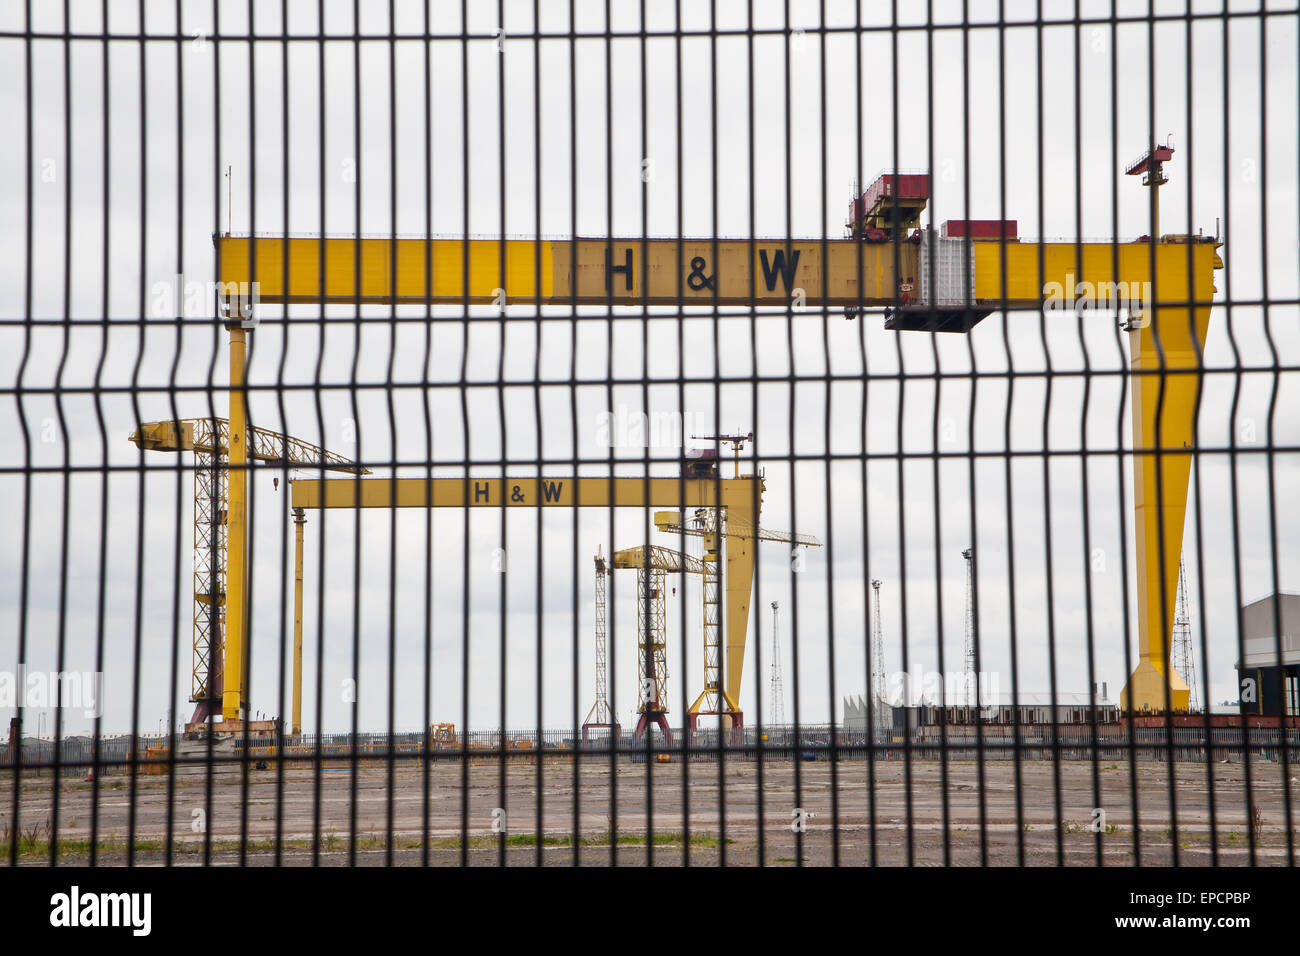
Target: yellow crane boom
658,558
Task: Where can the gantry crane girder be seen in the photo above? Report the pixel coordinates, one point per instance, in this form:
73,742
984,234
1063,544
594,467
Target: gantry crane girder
210,441
1171,278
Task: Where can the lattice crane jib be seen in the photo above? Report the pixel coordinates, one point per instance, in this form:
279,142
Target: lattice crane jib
713,525
210,441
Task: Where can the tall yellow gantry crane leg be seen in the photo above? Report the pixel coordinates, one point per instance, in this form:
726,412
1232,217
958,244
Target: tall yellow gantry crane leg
234,703
1176,273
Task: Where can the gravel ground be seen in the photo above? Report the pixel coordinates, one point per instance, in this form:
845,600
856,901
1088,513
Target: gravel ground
960,820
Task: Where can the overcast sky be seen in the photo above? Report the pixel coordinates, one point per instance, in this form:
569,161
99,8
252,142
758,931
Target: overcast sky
993,114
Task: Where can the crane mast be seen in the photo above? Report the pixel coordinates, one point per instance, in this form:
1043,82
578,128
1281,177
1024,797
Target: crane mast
777,692
971,678
713,525
879,703
1184,659
600,715
653,564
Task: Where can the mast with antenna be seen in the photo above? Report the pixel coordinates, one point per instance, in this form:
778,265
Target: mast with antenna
969,555
778,692
1184,659
878,701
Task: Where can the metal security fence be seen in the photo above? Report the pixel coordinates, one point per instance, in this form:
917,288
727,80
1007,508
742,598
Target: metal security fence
829,434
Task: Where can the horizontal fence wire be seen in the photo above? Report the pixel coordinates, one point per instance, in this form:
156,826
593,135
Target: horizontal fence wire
827,434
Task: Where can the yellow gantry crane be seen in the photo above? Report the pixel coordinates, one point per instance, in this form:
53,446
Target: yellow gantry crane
653,564
221,549
699,486
931,280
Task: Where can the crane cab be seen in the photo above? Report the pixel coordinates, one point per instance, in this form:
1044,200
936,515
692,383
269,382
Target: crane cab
700,463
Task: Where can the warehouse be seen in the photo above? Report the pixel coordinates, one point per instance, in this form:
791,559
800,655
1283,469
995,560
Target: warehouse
1270,686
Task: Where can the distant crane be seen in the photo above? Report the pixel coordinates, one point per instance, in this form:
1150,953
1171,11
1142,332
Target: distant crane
209,439
879,702
778,693
1184,659
713,524
969,555
600,716
653,564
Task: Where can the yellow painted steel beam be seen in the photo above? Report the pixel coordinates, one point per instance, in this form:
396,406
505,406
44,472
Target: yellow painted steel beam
558,492
1164,436
564,271
299,519
1091,271
837,272
233,701
741,496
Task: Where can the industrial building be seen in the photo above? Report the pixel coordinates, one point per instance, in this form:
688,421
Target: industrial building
1270,685
999,709
855,715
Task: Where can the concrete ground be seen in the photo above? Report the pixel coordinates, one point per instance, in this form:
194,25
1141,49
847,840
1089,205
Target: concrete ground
957,821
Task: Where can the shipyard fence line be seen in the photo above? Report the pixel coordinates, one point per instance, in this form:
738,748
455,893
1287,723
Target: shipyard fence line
115,756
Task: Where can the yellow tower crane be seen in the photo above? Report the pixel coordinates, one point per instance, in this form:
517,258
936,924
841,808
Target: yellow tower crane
653,563
936,281
220,561
720,696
